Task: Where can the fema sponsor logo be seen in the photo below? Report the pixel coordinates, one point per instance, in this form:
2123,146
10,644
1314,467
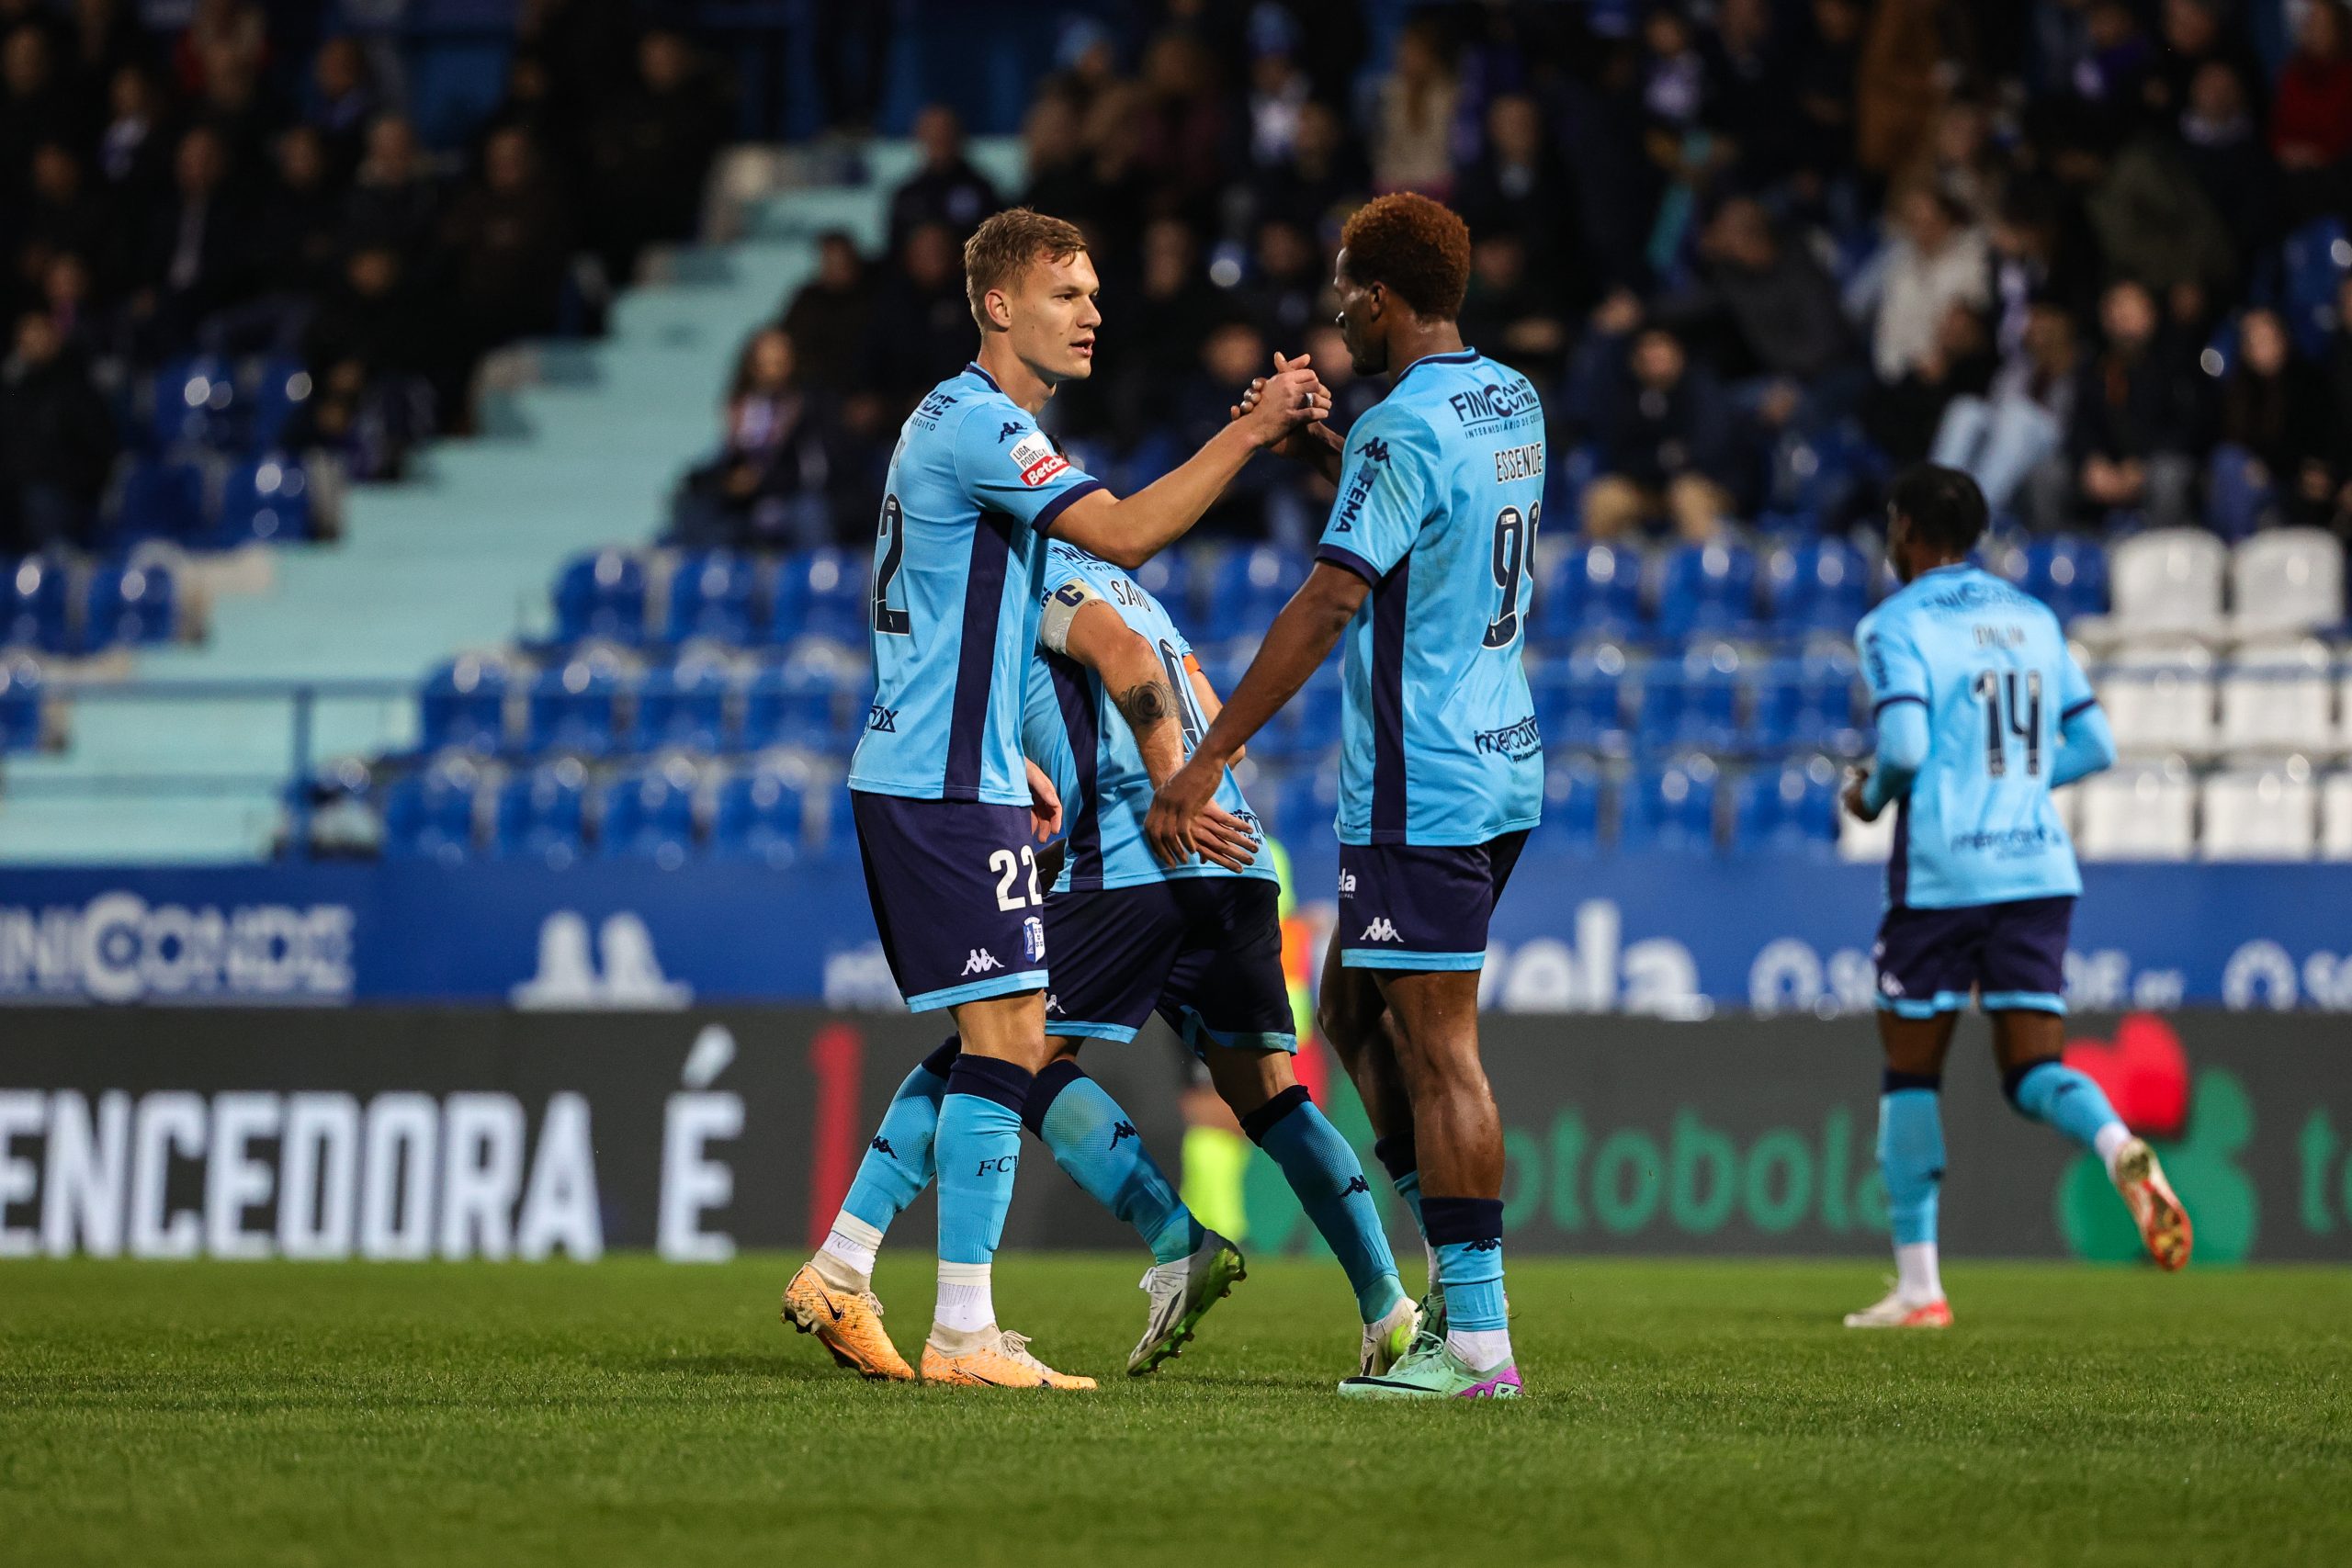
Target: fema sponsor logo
1517,741
1360,488
1036,457
1492,406
120,948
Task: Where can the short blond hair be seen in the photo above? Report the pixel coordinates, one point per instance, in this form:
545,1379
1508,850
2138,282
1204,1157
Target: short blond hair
1007,245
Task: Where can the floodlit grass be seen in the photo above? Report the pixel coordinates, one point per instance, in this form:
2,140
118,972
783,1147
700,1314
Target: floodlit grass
1679,1412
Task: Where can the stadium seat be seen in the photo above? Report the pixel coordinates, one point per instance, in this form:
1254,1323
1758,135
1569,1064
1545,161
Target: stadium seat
2278,697
2287,579
1706,588
196,404
162,499
1308,725
601,595
1806,704
539,814
819,592
710,596
20,720
834,834
429,814
281,387
1168,577
2335,816
266,500
2146,811
2315,259
808,698
1816,585
1589,591
648,814
761,814
1789,809
34,607
1306,803
1579,700
1248,588
462,706
575,707
2261,814
1672,809
684,705
1692,702
1572,788
2068,573
2159,697
129,604
2168,579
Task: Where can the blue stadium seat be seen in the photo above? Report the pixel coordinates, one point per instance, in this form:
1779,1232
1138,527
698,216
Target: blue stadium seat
1706,588
429,815
575,707
33,605
684,704
1806,705
761,815
1791,809
540,813
1168,577
280,390
197,404
161,498
1308,725
129,604
601,595
821,593
1572,805
1590,591
803,701
1306,803
2068,573
710,596
1579,700
2317,258
462,706
1817,585
266,500
1248,587
1672,809
648,814
835,838
20,728
1692,702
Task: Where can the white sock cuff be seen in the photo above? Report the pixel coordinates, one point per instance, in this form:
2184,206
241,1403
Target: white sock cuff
849,1227
2110,1141
963,1274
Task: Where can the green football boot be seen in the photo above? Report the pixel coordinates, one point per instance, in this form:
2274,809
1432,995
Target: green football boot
1431,1370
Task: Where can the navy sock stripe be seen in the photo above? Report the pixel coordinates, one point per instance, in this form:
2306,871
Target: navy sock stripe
1445,1221
1058,1075
1260,1122
1893,1082
2013,1080
941,1062
986,1078
1396,1155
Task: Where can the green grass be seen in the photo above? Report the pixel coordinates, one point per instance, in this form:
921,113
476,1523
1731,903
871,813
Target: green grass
1680,1413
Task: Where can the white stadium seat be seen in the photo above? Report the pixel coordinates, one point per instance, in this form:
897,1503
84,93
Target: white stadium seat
2287,579
2335,816
2278,697
2261,813
2158,695
2142,812
2168,579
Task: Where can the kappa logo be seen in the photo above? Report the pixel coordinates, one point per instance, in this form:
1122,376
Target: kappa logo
1122,1129
1374,450
882,720
882,1147
1355,1184
982,961
1010,429
1036,457
1492,1244
1053,1003
1380,929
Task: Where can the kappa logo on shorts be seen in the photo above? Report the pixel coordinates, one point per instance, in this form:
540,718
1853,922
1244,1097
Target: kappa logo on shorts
982,961
1036,457
1053,1003
1890,985
1380,929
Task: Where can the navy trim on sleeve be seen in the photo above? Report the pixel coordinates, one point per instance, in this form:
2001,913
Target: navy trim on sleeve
1061,503
1341,556
2083,706
1886,702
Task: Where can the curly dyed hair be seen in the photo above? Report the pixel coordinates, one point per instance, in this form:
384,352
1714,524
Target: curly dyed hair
1005,246
1419,248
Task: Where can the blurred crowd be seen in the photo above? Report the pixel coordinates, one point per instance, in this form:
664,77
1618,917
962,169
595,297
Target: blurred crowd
240,190
1757,252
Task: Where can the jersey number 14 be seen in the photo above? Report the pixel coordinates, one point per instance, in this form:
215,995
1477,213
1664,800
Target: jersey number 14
2005,716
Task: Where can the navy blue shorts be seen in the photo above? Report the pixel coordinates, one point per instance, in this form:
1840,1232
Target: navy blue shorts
1421,906
1205,952
954,884
2011,955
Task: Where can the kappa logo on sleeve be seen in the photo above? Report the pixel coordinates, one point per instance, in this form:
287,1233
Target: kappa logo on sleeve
1036,457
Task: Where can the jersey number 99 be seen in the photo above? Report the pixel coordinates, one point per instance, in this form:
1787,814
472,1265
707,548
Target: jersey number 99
1514,539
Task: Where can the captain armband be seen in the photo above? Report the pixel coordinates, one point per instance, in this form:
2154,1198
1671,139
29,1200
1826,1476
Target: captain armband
1062,606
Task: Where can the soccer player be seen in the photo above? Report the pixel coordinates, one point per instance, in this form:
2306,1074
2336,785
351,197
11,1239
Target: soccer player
1982,711
1423,569
1115,701
945,803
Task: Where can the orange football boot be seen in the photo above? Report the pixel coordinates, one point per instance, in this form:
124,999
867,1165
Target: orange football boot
846,1323
991,1358
2164,1224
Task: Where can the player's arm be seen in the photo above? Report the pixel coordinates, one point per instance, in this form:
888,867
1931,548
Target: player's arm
1318,445
2086,744
1128,531
1204,698
1897,678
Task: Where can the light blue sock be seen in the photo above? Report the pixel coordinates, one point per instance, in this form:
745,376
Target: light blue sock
1095,1143
1911,1154
1329,1182
978,1149
1468,1235
2058,1096
897,1165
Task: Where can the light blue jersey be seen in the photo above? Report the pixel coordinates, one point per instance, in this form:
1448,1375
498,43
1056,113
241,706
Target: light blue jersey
974,488
1073,730
1990,667
1439,493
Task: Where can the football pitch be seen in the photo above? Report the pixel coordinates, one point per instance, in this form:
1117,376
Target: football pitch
1679,1412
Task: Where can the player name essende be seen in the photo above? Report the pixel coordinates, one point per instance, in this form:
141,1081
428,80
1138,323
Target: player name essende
1520,462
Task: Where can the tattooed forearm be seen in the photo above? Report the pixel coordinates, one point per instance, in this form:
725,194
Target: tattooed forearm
1147,703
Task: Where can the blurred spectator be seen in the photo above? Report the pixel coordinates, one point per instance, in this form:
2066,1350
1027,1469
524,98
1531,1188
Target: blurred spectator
1664,447
1413,128
1903,417
1279,88
57,442
2311,119
2220,149
1183,138
2135,416
2154,223
921,327
223,37
1224,360
2274,429
1159,342
1508,312
2018,430
130,151
1751,85
2196,39
509,240
853,62
1911,52
1827,69
1938,261
1517,184
194,255
1324,177
946,189
651,151
827,320
340,102
770,486
1286,294
36,104
1782,309
1056,155
394,202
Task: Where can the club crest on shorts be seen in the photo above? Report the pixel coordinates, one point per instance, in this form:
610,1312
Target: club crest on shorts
1033,939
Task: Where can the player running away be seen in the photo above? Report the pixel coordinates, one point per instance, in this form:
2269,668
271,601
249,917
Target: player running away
1982,711
945,805
1423,569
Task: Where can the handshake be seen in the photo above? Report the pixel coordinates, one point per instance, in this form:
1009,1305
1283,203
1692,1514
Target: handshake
1285,413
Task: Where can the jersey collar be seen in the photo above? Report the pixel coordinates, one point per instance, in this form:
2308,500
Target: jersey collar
1464,357
972,368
